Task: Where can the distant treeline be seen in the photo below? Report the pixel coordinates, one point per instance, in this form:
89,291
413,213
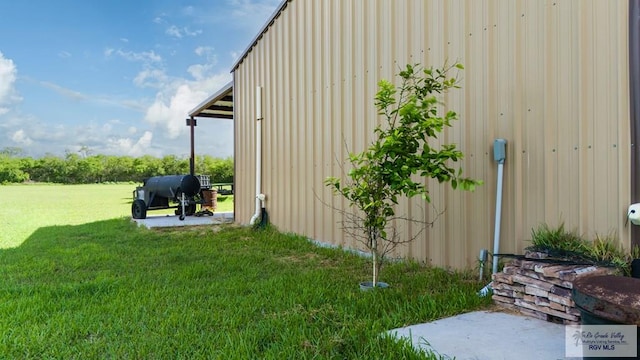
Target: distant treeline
84,169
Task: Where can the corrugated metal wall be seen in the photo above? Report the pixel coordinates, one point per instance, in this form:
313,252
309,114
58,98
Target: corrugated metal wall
551,77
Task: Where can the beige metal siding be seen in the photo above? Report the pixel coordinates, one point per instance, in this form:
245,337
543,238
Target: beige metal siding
548,76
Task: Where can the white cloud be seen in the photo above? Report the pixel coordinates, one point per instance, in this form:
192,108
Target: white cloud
181,32
154,78
72,94
204,51
173,31
177,96
8,75
146,57
130,146
189,32
111,137
40,132
171,107
200,71
141,146
167,111
119,145
64,54
20,137
107,100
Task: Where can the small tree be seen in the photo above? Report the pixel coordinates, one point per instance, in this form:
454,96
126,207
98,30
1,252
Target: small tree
383,172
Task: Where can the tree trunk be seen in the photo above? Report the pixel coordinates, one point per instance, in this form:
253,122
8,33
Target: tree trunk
374,256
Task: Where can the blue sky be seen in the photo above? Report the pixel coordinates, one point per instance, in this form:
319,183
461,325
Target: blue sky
119,77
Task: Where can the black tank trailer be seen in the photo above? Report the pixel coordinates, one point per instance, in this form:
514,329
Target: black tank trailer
181,192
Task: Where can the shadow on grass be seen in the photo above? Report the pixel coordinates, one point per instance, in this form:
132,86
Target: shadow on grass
110,289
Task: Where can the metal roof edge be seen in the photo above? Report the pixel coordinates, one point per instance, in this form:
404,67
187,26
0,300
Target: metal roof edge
211,99
264,28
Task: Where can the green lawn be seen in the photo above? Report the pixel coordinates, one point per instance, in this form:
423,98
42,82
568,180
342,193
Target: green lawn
29,207
108,289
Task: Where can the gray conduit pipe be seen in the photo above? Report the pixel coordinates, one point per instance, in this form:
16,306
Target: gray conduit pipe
499,155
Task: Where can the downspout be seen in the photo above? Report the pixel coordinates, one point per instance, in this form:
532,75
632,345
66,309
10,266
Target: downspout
259,196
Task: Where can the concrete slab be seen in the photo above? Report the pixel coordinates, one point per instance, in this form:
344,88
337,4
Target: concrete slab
488,335
159,221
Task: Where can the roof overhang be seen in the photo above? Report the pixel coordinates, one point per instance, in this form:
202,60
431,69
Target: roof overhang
218,105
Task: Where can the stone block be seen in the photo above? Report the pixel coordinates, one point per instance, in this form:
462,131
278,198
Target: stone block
542,301
586,270
546,310
535,255
501,292
503,299
502,277
560,291
509,306
504,286
532,290
525,280
528,264
566,301
530,273
557,306
533,314
510,269
553,271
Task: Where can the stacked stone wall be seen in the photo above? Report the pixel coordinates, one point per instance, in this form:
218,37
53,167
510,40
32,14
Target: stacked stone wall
541,289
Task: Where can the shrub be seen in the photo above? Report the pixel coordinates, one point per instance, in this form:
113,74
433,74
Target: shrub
567,245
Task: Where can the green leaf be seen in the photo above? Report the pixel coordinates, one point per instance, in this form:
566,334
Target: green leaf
409,114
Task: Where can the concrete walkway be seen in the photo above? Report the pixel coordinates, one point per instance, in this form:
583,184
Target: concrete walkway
159,221
488,335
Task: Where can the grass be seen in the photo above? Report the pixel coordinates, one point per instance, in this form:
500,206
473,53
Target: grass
29,207
569,245
108,289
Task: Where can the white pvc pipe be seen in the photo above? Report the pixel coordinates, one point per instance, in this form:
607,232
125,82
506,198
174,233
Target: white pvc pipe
256,215
496,229
182,206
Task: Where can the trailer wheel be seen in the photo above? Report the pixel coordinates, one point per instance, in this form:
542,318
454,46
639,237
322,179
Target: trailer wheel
139,209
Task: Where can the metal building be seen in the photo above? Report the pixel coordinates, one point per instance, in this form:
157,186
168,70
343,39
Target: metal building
558,79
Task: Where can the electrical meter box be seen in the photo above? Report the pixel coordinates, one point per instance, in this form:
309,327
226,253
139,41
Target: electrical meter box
499,150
